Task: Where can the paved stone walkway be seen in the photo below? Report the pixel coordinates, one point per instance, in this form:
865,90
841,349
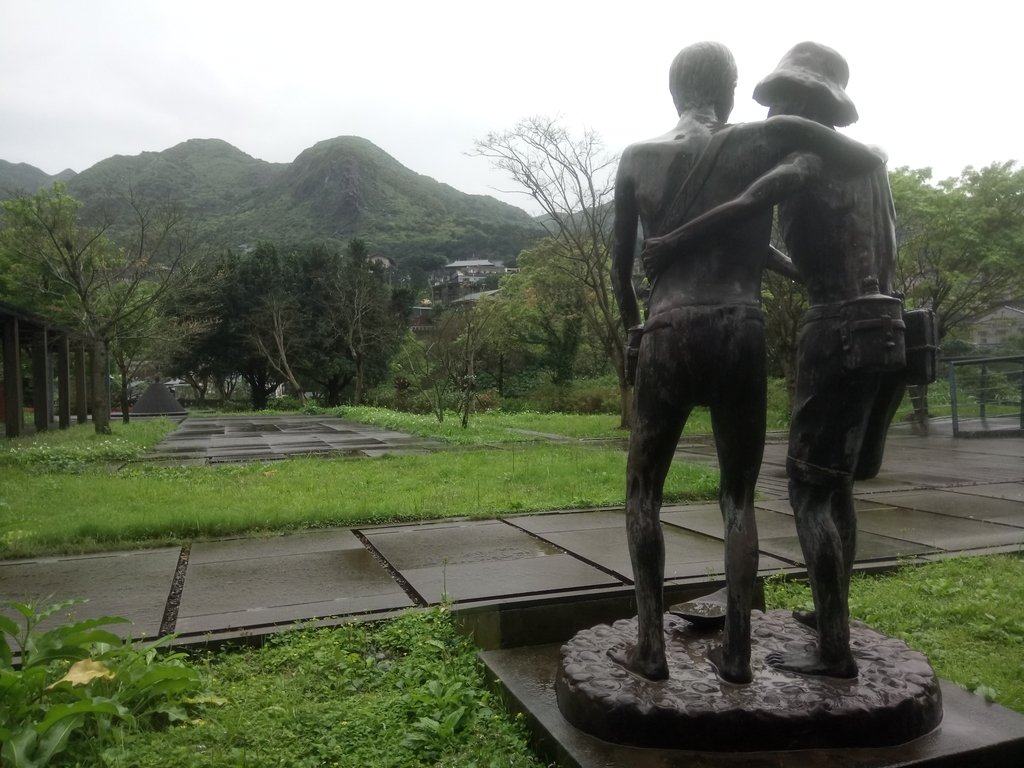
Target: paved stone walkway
225,439
935,496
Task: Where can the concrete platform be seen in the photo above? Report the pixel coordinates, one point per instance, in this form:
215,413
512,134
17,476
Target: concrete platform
973,732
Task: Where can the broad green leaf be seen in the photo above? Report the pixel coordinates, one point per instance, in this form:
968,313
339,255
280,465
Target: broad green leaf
5,653
18,751
8,626
59,712
55,739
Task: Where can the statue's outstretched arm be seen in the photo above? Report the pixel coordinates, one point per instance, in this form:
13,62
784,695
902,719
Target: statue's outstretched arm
780,182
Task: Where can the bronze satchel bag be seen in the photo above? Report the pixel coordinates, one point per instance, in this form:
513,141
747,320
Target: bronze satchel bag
872,332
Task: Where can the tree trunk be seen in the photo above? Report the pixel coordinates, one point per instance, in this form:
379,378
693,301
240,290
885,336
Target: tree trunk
468,391
199,386
125,407
357,396
100,388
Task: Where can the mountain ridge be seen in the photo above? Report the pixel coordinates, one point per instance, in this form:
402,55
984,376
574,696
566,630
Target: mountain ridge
337,189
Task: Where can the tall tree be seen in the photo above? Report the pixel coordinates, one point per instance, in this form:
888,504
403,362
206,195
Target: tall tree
544,310
276,317
364,317
72,269
960,245
441,364
570,178
961,241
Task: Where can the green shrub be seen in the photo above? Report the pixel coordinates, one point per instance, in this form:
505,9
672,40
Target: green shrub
588,396
79,686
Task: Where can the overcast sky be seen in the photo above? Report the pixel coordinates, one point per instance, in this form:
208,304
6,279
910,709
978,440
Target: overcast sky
936,84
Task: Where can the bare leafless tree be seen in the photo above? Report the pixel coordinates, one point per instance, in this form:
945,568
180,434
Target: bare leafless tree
571,178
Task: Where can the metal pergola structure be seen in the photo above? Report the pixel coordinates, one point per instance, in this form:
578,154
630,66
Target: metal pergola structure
52,348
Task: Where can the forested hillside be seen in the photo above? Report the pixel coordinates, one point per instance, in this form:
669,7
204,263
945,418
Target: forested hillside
335,190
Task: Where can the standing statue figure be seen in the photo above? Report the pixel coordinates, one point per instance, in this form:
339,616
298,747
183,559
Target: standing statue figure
703,340
840,233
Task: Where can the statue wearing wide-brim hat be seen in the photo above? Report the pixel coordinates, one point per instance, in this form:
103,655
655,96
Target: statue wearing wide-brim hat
814,73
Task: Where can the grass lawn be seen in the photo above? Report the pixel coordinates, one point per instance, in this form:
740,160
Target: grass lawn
60,494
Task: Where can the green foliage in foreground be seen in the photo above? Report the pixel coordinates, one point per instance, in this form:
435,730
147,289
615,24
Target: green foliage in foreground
79,687
409,692
965,614
54,512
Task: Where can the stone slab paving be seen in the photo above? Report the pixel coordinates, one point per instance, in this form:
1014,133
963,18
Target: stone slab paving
242,583
244,438
777,538
963,503
936,530
134,585
1009,491
600,538
464,560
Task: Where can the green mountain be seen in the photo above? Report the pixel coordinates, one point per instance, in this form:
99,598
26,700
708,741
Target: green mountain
16,178
335,190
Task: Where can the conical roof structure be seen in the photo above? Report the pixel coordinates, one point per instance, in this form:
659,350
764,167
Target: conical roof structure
157,400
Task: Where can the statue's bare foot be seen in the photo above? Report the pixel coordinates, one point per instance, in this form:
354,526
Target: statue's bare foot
651,667
807,618
812,664
730,670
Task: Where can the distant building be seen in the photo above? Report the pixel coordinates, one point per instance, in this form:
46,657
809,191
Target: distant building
999,326
421,318
454,281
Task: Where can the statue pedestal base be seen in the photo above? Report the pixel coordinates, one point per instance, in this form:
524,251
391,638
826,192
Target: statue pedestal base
972,732
894,699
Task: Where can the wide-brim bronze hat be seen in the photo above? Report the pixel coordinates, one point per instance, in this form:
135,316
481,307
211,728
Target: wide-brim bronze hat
815,70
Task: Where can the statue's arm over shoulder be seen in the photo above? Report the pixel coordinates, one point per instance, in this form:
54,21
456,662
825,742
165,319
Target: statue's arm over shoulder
624,243
781,181
786,134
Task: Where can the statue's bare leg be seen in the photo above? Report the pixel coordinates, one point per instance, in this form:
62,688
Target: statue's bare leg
739,424
845,520
656,429
824,545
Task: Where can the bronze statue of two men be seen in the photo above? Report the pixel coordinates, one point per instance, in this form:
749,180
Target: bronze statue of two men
704,193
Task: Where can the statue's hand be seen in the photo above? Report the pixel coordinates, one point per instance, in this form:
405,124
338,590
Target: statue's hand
634,335
654,254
